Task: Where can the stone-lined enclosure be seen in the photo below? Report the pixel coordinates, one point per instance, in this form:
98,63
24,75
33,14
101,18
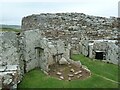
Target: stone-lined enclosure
86,34
46,38
28,53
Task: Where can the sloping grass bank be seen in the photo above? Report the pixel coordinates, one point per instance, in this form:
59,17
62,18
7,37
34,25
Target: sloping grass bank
98,67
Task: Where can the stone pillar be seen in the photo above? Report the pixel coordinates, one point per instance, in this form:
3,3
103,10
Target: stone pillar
90,51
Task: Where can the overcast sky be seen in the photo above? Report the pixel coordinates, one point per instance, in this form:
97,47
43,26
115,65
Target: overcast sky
12,12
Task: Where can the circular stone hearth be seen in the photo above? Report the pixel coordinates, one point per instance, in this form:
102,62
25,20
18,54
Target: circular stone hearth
68,72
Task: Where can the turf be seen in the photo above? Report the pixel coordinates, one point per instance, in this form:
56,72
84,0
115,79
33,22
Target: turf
37,79
99,67
9,30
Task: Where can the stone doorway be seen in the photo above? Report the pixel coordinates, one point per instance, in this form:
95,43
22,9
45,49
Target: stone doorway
57,57
39,54
99,55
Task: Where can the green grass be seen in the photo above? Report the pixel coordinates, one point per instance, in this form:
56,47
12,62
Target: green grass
10,29
99,67
37,79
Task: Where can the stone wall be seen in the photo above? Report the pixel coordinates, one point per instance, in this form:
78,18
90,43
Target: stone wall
38,51
84,47
72,28
108,47
92,26
31,40
113,53
9,48
100,46
76,29
9,76
28,50
10,73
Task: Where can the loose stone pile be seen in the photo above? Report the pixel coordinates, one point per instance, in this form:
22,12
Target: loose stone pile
91,26
9,76
68,72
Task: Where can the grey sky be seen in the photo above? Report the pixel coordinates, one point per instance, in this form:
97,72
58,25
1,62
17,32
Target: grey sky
13,12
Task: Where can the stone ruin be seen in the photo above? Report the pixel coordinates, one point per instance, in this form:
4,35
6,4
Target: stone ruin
46,39
90,35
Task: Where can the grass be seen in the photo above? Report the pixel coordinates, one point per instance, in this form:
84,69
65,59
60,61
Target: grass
99,67
10,30
37,79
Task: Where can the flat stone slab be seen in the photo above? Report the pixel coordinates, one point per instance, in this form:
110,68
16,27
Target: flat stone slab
80,75
11,67
78,72
2,68
59,73
61,77
70,75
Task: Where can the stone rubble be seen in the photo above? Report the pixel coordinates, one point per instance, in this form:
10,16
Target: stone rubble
69,78
10,76
70,75
78,72
63,61
61,77
72,70
59,73
80,75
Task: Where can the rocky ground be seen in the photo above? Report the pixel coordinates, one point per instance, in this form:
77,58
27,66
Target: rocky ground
68,72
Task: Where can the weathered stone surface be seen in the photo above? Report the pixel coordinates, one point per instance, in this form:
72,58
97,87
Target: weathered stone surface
61,77
80,75
71,22
42,52
10,77
9,48
8,80
78,72
59,73
72,70
76,63
69,78
70,75
63,61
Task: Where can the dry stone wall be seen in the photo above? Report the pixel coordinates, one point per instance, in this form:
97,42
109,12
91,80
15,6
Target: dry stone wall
9,48
31,40
84,47
10,72
108,47
73,28
113,53
92,26
41,52
77,29
9,77
28,50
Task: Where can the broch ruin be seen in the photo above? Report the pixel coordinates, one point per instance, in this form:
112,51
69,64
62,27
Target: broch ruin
50,39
